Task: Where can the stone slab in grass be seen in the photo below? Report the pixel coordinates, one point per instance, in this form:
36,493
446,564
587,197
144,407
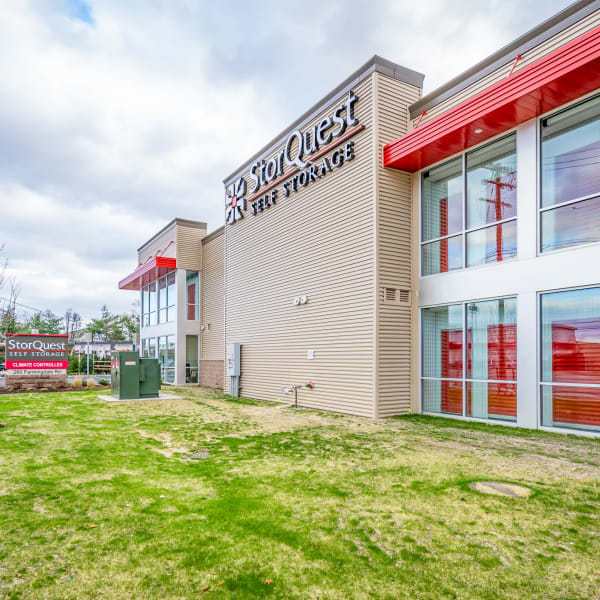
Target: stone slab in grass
160,397
501,488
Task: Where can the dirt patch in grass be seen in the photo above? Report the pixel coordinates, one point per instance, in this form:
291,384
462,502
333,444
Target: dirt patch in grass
102,500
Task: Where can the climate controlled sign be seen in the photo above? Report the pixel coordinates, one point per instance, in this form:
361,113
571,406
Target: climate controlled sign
36,352
300,162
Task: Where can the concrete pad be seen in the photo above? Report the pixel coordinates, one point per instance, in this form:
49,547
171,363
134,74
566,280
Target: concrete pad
160,397
501,488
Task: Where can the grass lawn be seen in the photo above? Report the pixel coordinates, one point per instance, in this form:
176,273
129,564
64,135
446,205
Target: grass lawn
102,500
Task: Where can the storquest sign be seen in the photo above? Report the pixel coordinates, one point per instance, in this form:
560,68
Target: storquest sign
300,162
36,352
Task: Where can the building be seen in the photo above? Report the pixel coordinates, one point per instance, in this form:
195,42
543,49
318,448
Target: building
180,280
100,349
392,252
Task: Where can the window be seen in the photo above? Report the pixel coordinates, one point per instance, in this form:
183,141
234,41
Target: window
162,300
166,357
193,295
171,297
570,179
152,353
492,359
159,300
442,334
145,306
470,220
152,303
470,359
442,218
191,359
570,354
492,202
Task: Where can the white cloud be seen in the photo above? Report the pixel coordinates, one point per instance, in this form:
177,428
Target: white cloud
111,129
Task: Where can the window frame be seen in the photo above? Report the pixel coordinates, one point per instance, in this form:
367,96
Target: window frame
464,231
466,380
171,303
590,429
541,209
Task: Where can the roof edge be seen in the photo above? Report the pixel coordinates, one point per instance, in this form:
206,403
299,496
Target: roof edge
532,38
213,234
375,63
170,224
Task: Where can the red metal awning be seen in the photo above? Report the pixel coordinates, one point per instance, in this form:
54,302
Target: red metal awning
555,79
151,270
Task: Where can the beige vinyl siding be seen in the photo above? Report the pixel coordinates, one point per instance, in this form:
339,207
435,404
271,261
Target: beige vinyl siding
560,39
394,256
317,242
189,247
159,245
213,300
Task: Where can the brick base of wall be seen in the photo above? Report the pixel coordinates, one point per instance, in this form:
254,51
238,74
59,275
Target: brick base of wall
211,373
35,381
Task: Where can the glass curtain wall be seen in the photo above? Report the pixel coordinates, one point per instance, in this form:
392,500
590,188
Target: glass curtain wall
166,357
570,355
158,301
492,359
469,360
570,198
492,198
469,209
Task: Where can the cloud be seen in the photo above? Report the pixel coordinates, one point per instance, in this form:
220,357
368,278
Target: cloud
118,116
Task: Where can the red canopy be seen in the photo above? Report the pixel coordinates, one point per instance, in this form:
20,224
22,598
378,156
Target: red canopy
551,81
150,271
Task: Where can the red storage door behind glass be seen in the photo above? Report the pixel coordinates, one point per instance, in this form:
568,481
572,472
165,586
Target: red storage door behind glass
502,365
452,360
576,359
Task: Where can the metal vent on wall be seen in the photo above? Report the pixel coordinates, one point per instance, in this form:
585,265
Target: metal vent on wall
396,296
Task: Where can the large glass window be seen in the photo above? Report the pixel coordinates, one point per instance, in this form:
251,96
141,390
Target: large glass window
570,354
159,300
492,359
442,218
570,194
193,295
492,202
470,220
152,303
152,350
162,300
469,361
170,359
171,296
166,357
442,328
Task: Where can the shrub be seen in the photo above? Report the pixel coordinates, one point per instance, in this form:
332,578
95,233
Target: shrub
78,382
91,382
103,382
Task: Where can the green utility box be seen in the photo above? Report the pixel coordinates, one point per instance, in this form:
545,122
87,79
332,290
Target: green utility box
132,377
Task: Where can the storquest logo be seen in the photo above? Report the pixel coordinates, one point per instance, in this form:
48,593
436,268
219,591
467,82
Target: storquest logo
236,203
308,155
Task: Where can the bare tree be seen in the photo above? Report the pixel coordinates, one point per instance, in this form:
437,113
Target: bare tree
9,292
67,320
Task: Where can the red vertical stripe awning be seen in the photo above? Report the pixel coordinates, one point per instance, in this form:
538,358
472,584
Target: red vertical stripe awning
151,270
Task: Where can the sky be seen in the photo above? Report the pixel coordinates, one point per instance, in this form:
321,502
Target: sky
116,117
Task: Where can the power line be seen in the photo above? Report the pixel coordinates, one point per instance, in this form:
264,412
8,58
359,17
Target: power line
23,305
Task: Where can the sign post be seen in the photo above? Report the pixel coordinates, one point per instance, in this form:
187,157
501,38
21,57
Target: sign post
88,338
